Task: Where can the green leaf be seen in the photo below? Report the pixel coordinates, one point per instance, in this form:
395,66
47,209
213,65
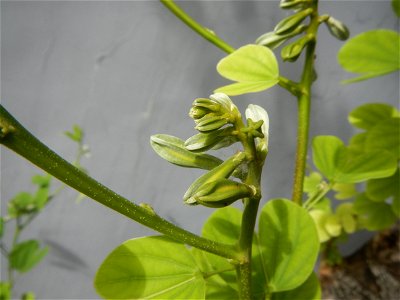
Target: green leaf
383,188
319,217
41,180
371,54
22,203
368,115
5,291
28,296
338,164
254,67
328,152
357,143
344,190
396,205
396,7
311,182
288,241
41,197
76,134
373,215
385,136
24,256
150,268
224,226
173,150
309,290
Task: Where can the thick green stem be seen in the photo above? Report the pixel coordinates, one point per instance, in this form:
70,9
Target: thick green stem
14,136
304,104
204,32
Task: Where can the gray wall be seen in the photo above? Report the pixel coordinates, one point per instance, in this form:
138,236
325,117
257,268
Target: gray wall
126,70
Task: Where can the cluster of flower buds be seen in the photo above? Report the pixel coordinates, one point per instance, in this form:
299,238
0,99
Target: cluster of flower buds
292,26
219,124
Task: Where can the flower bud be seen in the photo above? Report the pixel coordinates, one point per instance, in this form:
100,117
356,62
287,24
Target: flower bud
273,40
292,51
224,170
209,123
289,23
337,29
293,4
205,141
220,193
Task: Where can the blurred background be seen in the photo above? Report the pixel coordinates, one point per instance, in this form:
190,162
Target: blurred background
126,70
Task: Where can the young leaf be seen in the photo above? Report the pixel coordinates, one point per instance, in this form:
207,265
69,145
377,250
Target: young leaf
385,136
381,189
150,268
374,215
42,180
368,115
319,217
254,67
22,203
173,150
76,134
371,54
24,256
396,7
311,182
289,244
357,143
309,290
344,190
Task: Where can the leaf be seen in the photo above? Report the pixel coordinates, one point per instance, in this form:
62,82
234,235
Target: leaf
224,226
357,143
338,164
373,215
309,290
344,190
396,7
22,203
383,188
28,296
368,115
42,180
24,256
311,182
254,67
76,134
173,150
319,217
41,197
150,268
385,136
371,54
5,290
288,241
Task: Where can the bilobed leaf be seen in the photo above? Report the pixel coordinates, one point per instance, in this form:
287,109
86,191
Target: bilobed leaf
381,189
42,180
309,290
357,143
311,182
371,54
374,215
385,136
5,291
344,190
320,216
254,67
150,268
368,115
338,164
173,150
24,256
288,241
328,151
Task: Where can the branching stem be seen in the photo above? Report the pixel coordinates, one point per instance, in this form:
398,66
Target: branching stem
14,136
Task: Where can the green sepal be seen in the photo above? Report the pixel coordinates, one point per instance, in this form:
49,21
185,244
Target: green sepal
291,22
337,29
273,40
213,140
173,150
224,170
292,51
221,193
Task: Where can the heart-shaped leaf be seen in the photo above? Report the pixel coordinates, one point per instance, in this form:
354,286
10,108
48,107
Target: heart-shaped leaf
371,54
25,255
254,67
368,115
289,244
150,268
385,136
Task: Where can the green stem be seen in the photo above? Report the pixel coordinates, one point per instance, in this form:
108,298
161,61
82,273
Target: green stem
14,136
204,32
304,104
